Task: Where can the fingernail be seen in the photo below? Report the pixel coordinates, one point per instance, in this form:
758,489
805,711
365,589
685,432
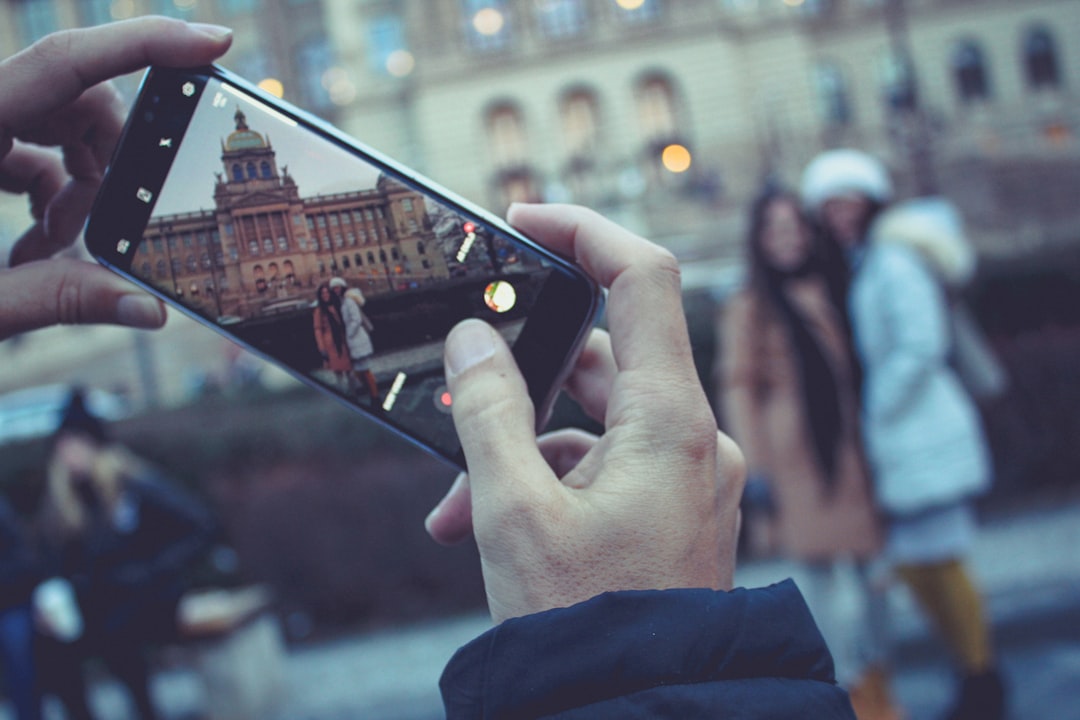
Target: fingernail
215,32
469,344
437,511
140,311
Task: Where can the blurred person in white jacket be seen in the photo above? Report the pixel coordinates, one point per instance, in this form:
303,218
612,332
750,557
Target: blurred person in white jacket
922,432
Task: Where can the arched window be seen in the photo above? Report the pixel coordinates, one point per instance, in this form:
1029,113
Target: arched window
260,278
253,247
506,136
204,259
192,265
161,269
264,168
268,244
1041,60
969,72
580,124
371,258
656,108
834,102
251,170
359,260
420,249
273,270
898,81
283,243
290,272
237,172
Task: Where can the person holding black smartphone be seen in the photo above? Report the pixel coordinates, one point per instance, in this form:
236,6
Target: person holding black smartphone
608,561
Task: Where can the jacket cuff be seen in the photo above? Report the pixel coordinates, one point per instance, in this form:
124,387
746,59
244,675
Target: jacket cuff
621,643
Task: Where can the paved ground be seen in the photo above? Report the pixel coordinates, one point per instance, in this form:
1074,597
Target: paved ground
1027,564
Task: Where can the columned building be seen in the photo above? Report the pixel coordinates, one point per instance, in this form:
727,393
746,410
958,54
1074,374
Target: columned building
264,249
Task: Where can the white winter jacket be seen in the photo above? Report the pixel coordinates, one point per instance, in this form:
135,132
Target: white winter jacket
922,433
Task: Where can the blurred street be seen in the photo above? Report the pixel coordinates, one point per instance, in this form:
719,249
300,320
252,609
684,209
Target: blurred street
1026,563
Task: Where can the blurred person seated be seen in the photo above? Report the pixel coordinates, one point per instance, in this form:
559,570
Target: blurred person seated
608,561
20,572
122,539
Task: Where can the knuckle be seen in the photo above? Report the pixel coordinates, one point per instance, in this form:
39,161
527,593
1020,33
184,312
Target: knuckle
68,302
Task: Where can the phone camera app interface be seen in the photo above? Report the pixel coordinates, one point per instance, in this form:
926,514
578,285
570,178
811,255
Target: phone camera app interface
317,258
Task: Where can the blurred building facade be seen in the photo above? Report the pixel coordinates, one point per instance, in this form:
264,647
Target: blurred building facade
664,114
669,115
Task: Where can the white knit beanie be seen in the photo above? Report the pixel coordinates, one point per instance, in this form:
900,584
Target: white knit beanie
836,173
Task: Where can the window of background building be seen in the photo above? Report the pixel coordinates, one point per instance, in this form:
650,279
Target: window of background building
579,112
96,12
35,19
656,109
388,51
969,71
505,133
834,100
314,58
897,76
560,19
579,115
1041,60
637,11
487,24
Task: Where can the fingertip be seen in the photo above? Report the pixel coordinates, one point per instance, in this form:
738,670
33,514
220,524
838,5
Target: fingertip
138,310
450,522
217,33
470,343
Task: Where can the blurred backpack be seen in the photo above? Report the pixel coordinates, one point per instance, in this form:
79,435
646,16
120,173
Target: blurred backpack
933,227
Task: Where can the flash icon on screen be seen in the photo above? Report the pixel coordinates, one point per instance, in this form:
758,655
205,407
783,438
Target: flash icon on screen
145,195
123,246
188,89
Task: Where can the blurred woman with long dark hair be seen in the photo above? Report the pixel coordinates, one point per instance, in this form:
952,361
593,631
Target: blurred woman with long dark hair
789,399
330,334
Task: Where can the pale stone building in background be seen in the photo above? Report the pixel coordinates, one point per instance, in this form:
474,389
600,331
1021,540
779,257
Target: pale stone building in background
665,114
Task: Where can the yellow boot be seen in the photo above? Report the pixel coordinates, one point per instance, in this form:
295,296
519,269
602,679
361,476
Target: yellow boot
871,697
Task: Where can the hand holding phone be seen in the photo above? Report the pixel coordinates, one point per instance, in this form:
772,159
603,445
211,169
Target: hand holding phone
652,503
275,229
63,100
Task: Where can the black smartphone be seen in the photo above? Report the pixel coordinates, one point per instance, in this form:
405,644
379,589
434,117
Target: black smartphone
324,256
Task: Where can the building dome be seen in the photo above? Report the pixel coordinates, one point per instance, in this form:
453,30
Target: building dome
244,138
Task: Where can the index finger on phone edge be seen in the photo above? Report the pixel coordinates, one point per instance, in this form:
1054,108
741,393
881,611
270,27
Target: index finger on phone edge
644,306
58,68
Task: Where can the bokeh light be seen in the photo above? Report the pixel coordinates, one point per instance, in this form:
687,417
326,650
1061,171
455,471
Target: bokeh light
272,86
676,158
400,63
488,21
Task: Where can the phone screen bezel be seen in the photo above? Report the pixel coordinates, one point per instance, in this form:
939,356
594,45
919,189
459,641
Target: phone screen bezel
554,331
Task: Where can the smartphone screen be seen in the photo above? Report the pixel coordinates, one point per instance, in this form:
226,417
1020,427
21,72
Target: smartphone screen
321,256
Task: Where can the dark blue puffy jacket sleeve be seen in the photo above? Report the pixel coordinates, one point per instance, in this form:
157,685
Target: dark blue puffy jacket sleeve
684,654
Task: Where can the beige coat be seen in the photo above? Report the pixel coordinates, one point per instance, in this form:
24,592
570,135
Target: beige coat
762,407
